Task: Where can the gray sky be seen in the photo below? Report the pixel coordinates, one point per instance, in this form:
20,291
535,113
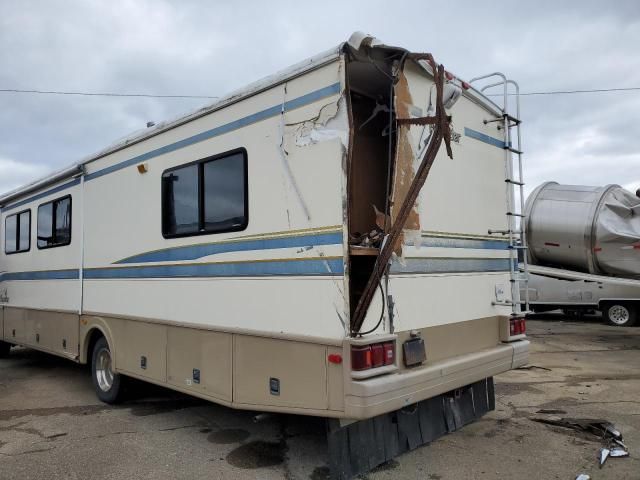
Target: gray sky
199,47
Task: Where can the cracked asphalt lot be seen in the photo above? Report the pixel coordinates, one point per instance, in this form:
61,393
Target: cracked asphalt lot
52,426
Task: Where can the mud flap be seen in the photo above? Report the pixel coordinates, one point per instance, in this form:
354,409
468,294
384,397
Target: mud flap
361,446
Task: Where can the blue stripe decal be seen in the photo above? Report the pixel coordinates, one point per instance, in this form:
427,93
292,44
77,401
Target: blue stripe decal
242,122
331,266
38,196
450,265
462,243
41,275
193,252
310,267
483,138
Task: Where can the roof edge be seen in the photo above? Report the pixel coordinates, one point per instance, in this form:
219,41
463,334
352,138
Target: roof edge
250,90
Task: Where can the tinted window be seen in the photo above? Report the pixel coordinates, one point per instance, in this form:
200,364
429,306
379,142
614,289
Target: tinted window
205,197
11,234
180,194
17,230
24,230
45,225
63,221
54,223
224,186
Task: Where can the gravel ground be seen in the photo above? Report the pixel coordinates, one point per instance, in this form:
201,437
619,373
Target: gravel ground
52,426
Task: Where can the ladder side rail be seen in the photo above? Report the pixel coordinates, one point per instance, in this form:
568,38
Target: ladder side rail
510,192
511,219
523,219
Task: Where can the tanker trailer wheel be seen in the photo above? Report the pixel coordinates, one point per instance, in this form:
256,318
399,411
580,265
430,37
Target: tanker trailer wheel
4,349
620,314
108,384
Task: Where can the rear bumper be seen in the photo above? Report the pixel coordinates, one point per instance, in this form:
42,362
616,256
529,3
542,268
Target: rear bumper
386,393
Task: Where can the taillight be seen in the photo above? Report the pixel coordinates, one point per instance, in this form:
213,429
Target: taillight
377,355
517,326
372,356
389,353
360,358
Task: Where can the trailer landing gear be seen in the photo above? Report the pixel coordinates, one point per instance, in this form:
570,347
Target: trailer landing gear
361,446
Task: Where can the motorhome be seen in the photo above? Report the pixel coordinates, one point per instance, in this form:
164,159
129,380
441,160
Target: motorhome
226,254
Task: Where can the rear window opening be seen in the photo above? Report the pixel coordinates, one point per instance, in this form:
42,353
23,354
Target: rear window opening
369,177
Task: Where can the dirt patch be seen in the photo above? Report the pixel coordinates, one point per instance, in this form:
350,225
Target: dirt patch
258,454
229,435
46,412
516,388
156,408
386,466
320,473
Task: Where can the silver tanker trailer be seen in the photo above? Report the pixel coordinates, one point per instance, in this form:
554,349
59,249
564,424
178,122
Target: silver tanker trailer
584,250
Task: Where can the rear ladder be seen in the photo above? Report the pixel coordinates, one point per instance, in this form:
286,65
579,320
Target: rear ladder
516,230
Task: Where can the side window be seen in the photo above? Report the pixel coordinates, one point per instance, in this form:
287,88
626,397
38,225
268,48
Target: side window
180,194
54,223
17,232
208,196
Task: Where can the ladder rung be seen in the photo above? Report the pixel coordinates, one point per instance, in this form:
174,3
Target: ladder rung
511,214
514,182
504,232
515,120
514,150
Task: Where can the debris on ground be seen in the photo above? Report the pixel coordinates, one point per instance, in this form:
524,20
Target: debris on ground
600,428
552,411
605,431
604,454
533,367
618,452
583,476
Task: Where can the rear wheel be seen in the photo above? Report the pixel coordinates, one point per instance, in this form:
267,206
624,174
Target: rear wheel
620,314
4,349
108,384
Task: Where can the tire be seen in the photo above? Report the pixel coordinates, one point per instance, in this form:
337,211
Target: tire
4,349
109,386
620,314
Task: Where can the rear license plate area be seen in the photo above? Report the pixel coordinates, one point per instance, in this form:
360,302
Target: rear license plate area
414,352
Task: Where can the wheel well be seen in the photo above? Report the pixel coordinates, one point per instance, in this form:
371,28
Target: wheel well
605,303
94,336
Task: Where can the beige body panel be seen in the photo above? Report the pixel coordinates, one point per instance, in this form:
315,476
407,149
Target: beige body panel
457,354
52,332
300,368
235,368
14,327
208,352
136,340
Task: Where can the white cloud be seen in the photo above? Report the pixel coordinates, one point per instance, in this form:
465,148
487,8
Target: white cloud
211,48
13,173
